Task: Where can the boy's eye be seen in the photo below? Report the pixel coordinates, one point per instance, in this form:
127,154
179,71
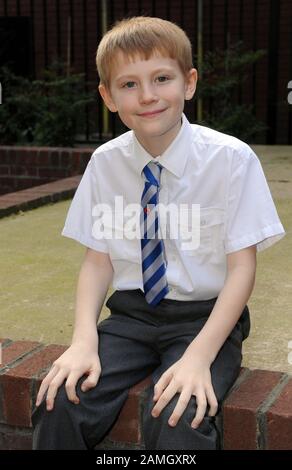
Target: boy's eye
129,85
162,78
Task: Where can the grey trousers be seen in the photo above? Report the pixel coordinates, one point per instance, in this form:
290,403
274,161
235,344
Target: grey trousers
135,341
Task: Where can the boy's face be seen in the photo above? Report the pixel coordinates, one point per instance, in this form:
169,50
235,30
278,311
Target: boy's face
149,96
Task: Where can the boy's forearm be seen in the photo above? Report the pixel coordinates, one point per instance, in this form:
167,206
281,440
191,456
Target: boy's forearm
92,287
226,312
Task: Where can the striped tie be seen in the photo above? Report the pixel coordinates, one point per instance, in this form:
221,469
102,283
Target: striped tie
153,255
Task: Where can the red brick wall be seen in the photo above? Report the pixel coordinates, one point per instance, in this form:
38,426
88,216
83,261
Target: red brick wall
25,167
257,414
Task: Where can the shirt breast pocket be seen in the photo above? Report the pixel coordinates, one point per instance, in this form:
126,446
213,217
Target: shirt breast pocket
124,246
211,235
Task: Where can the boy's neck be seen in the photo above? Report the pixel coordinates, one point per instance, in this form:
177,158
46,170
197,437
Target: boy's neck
156,145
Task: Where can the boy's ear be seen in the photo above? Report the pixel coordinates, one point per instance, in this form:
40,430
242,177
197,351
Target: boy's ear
106,96
191,83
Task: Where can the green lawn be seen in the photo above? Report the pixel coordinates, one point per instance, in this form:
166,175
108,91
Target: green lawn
39,270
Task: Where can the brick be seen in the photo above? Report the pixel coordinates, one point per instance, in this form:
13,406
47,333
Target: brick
18,385
84,159
11,9
56,173
4,170
43,157
75,162
25,155
25,8
279,421
66,159
17,170
39,195
17,350
54,159
241,407
15,439
11,154
128,426
13,352
3,155
7,181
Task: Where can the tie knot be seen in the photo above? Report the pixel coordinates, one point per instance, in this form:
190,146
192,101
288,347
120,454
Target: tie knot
152,172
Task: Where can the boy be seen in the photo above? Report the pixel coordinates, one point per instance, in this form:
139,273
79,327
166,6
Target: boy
179,308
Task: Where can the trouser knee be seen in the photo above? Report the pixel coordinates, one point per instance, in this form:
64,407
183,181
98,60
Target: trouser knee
158,434
62,406
163,419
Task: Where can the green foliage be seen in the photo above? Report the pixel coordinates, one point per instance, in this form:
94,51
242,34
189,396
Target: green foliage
223,74
46,112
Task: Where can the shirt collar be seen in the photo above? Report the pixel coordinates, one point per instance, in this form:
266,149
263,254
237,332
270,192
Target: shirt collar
174,158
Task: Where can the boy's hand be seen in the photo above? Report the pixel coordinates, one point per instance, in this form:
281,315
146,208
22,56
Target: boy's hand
189,376
78,360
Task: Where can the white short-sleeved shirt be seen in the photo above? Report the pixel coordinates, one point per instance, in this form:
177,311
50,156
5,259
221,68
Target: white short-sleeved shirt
218,172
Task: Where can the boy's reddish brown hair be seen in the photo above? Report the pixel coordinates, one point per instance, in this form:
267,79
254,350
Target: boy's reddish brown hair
143,36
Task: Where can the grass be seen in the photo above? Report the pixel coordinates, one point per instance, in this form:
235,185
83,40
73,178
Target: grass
39,270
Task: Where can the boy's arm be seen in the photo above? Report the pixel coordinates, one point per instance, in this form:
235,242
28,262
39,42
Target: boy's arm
93,283
238,286
81,358
191,374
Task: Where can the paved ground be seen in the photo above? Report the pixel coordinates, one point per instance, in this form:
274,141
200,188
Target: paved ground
39,269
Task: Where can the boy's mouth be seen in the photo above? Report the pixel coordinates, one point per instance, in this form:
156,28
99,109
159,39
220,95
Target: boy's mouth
151,113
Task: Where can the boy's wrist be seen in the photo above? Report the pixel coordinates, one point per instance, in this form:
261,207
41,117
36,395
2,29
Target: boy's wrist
85,337
195,350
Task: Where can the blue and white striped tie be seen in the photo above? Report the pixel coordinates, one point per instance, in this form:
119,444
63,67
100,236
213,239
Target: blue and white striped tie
153,255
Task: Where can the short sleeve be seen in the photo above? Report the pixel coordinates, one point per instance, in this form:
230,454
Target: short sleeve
79,220
251,216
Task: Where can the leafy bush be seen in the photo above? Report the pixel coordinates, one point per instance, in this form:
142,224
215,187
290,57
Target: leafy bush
42,112
223,73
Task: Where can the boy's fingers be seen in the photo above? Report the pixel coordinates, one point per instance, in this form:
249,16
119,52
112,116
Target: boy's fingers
91,380
161,385
201,409
45,385
212,400
181,405
164,399
41,393
70,387
53,388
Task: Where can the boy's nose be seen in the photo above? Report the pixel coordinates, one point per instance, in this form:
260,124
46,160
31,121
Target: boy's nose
147,95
